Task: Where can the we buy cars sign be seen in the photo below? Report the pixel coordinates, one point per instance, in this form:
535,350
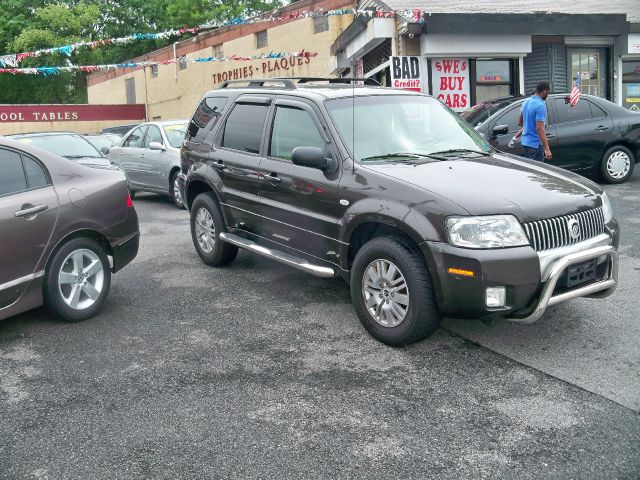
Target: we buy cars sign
450,81
405,73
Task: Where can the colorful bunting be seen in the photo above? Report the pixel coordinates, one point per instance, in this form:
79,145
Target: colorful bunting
48,71
416,15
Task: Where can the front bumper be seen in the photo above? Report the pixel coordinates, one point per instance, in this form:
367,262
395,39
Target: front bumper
533,280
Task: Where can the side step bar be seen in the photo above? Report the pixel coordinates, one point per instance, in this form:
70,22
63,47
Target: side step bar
295,262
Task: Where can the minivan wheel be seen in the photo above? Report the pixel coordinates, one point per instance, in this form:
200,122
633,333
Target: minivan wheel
392,292
174,191
77,280
617,164
206,224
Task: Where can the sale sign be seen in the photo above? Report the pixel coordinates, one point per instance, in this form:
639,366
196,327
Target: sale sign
450,80
405,73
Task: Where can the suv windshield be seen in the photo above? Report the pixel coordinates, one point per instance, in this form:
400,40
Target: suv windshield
381,127
70,146
175,133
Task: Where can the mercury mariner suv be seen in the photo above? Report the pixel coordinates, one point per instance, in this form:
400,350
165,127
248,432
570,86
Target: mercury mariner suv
396,194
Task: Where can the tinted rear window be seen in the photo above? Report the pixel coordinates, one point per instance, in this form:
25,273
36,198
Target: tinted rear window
243,130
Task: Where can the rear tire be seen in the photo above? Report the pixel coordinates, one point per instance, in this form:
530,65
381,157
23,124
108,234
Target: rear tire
617,164
77,280
206,224
174,191
392,292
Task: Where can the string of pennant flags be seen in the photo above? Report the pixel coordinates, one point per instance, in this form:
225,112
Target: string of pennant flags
11,61
49,71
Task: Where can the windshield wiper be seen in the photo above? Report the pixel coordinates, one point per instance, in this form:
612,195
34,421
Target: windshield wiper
394,155
460,150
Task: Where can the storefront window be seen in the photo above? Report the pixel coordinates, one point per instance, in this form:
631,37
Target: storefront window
589,64
631,85
492,79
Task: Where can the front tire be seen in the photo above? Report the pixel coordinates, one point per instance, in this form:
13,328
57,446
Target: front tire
77,280
174,191
617,164
206,224
392,292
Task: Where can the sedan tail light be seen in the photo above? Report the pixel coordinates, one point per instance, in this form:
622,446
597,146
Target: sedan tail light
129,202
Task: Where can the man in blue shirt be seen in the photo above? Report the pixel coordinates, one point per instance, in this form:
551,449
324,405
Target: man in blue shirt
533,119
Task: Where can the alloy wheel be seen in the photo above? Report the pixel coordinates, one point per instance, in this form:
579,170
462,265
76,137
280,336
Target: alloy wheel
205,230
618,164
177,195
385,293
81,279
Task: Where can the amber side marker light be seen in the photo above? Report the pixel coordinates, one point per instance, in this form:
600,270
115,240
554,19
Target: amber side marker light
459,271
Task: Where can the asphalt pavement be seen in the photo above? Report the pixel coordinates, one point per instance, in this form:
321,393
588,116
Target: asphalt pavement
260,371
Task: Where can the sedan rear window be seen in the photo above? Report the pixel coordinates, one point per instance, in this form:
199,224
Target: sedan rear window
12,179
70,146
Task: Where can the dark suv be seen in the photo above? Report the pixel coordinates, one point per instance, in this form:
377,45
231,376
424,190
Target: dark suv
396,194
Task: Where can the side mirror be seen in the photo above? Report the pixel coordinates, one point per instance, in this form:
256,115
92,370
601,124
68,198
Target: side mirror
157,146
104,150
500,130
312,157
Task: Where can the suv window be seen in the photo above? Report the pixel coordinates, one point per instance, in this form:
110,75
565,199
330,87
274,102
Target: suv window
293,128
567,113
135,139
13,179
243,130
204,118
153,135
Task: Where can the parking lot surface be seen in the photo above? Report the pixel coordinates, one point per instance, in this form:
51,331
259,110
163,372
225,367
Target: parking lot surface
257,370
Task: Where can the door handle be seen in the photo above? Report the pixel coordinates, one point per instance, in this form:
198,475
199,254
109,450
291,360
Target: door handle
26,212
551,135
220,165
143,156
272,178
601,128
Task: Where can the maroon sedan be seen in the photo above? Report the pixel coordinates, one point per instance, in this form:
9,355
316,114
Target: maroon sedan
64,228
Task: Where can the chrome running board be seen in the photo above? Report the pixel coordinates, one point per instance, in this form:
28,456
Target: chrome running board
291,260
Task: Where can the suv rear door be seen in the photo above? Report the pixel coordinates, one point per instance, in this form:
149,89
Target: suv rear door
236,160
299,204
28,213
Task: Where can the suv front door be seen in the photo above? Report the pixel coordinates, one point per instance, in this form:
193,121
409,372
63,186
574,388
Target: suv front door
235,159
299,204
28,213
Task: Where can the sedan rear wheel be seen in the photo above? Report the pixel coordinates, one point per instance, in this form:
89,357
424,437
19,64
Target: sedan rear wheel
617,164
175,192
77,280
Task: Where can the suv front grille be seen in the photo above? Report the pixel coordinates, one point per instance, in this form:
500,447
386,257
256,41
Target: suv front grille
554,232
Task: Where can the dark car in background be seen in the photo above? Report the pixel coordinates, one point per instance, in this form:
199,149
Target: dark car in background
65,229
120,129
66,144
595,135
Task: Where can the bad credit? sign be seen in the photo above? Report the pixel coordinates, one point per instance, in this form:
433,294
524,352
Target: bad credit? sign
450,81
405,73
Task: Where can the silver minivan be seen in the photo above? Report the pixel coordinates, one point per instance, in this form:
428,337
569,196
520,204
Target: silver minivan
149,155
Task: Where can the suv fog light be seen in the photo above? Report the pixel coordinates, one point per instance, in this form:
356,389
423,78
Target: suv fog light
496,297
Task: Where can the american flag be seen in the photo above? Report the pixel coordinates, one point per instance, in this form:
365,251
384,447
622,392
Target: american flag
575,91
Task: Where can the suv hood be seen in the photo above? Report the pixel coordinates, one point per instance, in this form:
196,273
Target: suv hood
500,184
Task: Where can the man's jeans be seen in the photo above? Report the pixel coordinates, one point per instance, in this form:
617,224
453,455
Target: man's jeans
534,153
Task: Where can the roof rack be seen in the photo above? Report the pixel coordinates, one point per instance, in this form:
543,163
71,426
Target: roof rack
289,84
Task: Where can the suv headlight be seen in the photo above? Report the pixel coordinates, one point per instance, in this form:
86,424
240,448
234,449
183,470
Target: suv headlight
607,209
491,231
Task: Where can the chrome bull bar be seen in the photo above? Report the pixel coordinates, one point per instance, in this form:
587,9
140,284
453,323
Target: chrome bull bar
600,289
